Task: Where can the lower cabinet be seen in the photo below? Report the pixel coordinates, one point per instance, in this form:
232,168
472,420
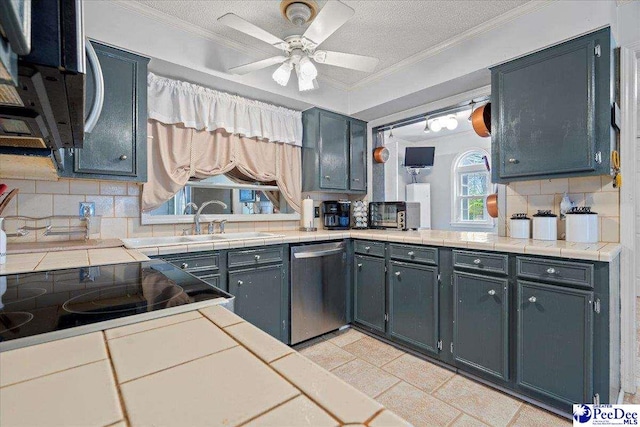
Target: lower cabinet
369,292
555,342
481,323
413,304
259,298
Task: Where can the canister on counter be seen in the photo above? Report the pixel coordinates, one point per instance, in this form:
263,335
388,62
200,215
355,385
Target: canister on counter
545,226
520,226
582,225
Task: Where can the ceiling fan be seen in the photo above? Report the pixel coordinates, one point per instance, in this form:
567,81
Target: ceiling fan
299,51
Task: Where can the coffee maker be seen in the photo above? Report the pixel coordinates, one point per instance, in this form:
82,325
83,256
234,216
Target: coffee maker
336,214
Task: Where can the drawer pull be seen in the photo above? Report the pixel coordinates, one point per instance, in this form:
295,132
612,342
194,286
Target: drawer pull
359,265
411,253
240,283
367,248
123,157
492,292
327,177
513,161
477,261
184,265
551,270
533,299
397,273
257,257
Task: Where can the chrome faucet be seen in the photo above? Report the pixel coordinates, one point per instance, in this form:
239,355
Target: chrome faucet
196,220
191,205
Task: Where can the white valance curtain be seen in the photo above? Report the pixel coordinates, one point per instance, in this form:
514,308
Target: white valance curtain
196,132
197,107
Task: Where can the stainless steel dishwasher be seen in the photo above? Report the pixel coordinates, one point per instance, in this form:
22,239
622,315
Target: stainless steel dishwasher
318,289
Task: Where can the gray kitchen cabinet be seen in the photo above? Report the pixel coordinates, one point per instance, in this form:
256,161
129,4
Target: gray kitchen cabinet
413,304
116,149
551,111
208,266
259,296
259,278
333,153
481,323
358,156
555,342
369,292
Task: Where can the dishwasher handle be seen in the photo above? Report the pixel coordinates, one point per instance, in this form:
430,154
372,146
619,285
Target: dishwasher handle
317,254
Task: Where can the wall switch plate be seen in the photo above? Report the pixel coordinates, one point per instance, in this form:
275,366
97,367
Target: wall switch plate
91,206
316,212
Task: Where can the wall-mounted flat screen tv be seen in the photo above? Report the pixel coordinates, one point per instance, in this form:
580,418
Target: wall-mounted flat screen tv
419,157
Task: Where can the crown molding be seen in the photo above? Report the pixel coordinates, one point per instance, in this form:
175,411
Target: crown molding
183,25
489,25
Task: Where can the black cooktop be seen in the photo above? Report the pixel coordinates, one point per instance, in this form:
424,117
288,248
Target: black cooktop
37,303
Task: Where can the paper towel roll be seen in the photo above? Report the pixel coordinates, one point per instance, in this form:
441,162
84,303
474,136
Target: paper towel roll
307,213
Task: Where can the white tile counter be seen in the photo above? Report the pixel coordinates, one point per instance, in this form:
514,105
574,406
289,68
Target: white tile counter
600,251
197,368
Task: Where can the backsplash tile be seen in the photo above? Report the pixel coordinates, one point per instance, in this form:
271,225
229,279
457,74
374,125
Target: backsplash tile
118,203
597,192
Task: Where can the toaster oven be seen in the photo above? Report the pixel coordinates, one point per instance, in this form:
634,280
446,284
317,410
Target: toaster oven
394,215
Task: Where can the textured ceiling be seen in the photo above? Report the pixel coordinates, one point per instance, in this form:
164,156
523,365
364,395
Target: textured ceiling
388,30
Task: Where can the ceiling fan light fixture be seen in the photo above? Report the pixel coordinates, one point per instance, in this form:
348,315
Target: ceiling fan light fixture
307,69
282,73
298,13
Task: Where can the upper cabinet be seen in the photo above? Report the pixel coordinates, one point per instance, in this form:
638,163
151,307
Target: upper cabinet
551,111
116,148
333,153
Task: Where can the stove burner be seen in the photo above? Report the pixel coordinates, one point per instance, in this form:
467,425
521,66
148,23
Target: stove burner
12,321
118,299
31,293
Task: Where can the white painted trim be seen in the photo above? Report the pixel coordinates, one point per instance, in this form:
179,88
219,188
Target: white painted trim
188,219
629,207
455,222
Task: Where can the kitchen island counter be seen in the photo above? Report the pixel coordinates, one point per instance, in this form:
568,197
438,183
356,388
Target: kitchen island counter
206,367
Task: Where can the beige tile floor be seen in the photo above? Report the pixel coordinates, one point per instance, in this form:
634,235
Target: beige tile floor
421,392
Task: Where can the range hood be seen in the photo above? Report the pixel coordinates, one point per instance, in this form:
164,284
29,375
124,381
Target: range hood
45,113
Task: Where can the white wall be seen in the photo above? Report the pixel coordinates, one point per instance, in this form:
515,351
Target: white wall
439,176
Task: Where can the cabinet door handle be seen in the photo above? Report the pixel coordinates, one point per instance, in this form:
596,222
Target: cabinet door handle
123,157
184,265
257,257
327,177
551,270
359,265
397,273
513,161
240,282
491,292
477,261
367,248
411,253
356,179
532,299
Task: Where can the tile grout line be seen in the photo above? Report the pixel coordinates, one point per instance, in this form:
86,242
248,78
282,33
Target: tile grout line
175,366
516,414
453,421
268,410
374,416
54,373
279,374
152,329
123,407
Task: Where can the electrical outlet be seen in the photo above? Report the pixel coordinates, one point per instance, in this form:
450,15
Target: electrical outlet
90,206
316,212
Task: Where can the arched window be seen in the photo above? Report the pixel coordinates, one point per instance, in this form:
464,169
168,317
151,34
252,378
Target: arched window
471,182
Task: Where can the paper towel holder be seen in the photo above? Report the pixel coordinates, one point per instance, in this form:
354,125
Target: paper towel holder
309,229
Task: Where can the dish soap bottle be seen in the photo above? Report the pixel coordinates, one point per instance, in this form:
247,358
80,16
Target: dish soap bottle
3,243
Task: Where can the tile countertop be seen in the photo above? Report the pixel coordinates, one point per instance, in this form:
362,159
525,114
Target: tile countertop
601,251
57,259
206,367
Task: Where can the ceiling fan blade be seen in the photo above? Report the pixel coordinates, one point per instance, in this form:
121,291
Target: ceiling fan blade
237,23
332,16
346,60
258,65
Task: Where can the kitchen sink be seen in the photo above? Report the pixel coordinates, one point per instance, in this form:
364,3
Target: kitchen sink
183,240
